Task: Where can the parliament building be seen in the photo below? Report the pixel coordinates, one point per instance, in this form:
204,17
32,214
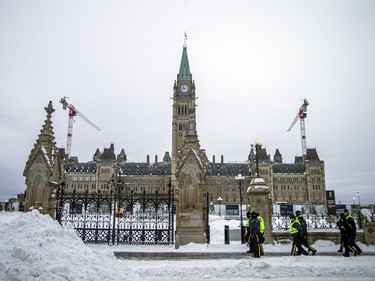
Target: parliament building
196,177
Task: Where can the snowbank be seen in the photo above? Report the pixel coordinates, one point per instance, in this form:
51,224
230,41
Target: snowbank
35,247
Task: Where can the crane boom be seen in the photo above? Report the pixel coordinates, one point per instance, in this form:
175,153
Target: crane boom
87,120
294,122
301,115
73,112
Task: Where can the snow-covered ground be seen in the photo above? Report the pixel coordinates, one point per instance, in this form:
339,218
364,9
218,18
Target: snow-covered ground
35,247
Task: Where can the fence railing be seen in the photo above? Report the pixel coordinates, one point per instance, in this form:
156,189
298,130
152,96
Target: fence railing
118,217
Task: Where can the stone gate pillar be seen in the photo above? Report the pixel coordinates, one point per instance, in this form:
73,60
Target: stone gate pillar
368,226
191,218
259,196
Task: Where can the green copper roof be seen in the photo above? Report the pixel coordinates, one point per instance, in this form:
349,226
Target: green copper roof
122,152
184,73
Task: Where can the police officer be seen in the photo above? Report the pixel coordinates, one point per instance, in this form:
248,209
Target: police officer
254,235
247,225
350,235
304,241
340,226
297,234
261,233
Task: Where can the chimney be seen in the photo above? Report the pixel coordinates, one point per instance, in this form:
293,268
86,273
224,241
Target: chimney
222,159
156,159
213,159
148,160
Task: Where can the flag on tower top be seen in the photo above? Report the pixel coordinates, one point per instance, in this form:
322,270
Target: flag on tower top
185,37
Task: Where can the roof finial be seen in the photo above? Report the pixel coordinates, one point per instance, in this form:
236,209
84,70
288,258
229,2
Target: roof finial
185,38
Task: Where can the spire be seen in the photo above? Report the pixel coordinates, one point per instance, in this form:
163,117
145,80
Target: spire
184,73
167,157
277,158
46,137
122,156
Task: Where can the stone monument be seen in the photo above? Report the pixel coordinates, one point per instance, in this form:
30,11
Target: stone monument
259,196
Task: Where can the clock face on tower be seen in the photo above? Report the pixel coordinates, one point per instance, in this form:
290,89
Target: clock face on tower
184,89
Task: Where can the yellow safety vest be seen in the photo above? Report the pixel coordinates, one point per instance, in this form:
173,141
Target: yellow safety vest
294,230
261,224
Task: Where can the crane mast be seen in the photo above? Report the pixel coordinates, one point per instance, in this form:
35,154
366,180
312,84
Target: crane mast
301,115
72,113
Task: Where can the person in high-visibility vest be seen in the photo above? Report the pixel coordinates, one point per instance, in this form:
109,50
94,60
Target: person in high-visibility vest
247,225
341,227
254,235
304,241
350,234
261,233
296,233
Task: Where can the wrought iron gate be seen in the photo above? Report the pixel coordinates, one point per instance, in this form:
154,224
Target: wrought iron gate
118,217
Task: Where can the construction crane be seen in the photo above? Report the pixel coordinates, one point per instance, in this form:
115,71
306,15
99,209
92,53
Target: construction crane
301,115
73,112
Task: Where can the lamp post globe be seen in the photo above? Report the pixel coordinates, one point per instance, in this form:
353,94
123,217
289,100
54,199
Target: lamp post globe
219,199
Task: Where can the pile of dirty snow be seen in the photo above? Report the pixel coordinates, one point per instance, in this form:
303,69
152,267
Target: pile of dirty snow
35,247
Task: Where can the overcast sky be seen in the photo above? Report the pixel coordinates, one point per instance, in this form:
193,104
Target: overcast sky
252,61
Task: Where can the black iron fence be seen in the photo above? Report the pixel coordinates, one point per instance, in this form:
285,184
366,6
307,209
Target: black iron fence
118,217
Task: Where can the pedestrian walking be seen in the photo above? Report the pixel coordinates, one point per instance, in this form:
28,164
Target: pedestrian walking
350,235
297,234
304,240
340,226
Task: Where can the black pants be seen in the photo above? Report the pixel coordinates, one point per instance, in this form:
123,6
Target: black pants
251,250
255,245
351,246
342,241
297,245
305,243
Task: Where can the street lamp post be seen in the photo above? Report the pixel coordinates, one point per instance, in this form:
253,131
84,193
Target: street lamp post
59,206
257,143
116,187
219,199
358,193
240,180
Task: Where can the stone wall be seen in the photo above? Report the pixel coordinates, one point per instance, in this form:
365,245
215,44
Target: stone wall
369,230
333,236
284,236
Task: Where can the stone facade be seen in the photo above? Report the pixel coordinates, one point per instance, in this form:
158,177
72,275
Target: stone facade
301,182
44,169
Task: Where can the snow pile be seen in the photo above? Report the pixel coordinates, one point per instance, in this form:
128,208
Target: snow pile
35,247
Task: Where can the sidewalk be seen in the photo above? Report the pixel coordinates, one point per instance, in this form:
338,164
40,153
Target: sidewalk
209,255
